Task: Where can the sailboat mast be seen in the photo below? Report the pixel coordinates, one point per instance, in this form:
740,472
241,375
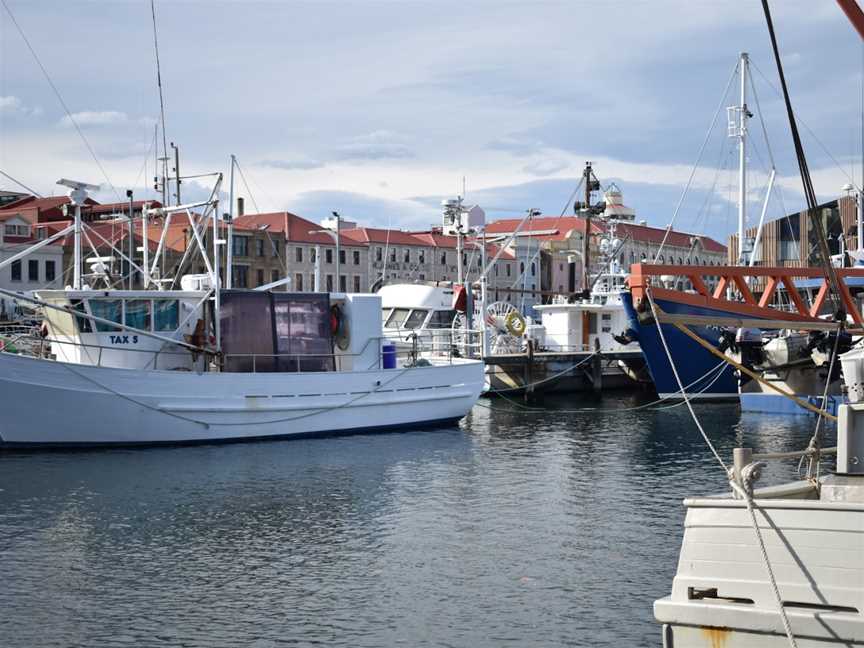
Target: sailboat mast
743,115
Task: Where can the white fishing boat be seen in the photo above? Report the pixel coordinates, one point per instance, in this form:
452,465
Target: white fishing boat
203,363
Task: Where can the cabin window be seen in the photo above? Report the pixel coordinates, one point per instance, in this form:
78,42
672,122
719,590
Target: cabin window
416,319
166,314
108,309
442,319
606,316
385,313
84,324
397,317
138,314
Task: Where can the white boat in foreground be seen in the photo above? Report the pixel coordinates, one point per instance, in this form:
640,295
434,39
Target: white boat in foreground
723,593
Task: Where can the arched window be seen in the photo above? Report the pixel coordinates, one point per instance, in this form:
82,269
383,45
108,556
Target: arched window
644,257
533,272
662,259
521,267
680,261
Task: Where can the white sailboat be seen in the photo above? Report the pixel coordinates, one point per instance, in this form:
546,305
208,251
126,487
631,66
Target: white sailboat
201,364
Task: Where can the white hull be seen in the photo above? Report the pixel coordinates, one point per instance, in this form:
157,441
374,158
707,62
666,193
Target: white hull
721,595
54,403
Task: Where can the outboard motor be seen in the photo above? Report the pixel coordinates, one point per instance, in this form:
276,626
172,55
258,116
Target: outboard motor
749,342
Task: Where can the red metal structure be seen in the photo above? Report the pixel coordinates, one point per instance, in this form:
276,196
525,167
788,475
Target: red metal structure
854,14
736,278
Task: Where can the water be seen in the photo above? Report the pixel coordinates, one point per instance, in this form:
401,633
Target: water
514,528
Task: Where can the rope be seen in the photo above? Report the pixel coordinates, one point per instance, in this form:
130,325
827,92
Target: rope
813,467
698,160
749,473
72,119
600,410
206,425
681,384
753,374
548,378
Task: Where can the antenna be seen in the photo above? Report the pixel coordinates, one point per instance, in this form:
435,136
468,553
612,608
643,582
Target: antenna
77,195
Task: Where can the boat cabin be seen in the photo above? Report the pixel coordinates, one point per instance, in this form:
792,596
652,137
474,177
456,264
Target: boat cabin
414,307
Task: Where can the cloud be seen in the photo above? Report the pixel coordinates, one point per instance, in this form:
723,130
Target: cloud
292,165
95,118
378,145
11,104
365,210
515,144
546,166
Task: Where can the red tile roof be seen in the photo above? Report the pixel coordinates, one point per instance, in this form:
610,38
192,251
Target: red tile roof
295,228
552,228
368,235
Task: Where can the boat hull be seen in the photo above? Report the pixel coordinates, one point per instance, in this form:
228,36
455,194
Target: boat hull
704,376
48,403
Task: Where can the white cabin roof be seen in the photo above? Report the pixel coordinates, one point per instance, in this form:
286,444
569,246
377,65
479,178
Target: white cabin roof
416,296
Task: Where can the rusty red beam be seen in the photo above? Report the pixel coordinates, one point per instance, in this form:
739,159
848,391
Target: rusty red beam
854,14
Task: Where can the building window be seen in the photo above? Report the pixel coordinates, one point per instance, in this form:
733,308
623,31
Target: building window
533,273
18,230
275,245
259,247
508,269
356,255
422,255
328,256
343,283
16,271
259,274
50,271
329,283
422,277
298,282
274,276
356,283
240,274
521,267
342,257
298,254
496,269
33,270
408,255
239,246
393,255
379,253
443,258
313,255
464,259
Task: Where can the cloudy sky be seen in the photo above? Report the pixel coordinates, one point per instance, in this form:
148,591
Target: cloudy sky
379,109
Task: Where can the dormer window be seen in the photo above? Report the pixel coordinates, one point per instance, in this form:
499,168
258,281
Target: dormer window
12,229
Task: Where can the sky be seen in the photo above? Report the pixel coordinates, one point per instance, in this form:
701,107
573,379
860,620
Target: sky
379,110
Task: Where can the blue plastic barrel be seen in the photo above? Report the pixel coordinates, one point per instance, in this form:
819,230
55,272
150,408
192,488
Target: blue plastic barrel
388,355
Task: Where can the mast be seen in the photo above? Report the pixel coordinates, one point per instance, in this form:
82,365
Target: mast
590,186
229,249
738,129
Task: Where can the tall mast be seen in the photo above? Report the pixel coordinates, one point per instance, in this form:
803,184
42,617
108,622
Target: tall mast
740,131
586,239
229,249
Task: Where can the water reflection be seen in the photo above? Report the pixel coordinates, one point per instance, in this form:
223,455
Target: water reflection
534,528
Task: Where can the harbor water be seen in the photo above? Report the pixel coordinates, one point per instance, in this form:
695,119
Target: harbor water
524,528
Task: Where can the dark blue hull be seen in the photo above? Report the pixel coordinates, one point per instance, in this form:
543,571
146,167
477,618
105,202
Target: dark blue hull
703,374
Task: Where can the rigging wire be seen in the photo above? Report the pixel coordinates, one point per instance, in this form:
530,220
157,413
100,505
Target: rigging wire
161,103
698,160
69,114
20,184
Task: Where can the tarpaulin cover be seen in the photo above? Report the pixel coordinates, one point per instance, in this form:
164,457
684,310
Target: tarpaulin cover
284,331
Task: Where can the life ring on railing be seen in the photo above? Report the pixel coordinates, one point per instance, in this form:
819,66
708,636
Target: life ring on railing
515,324
339,327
